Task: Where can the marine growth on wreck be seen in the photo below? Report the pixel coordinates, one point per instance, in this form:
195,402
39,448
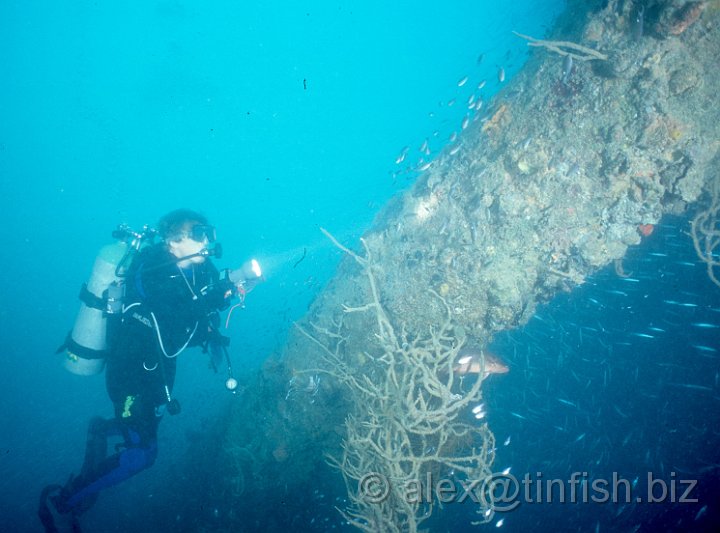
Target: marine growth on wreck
612,124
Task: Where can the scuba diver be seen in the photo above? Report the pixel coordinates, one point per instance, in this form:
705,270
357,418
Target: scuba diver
172,298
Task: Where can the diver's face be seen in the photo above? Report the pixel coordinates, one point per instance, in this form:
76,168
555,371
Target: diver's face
186,245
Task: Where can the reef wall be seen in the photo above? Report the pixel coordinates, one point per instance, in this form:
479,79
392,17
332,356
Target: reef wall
565,170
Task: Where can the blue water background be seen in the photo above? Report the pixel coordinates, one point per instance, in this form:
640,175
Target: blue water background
274,120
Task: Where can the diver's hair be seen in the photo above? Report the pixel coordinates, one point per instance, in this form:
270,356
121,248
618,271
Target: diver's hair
172,225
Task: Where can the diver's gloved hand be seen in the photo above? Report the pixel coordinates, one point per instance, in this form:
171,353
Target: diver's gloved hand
219,294
246,277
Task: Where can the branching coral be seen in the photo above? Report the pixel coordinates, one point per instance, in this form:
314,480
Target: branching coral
705,232
565,48
405,425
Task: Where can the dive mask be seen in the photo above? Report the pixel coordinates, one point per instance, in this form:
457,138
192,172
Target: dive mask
200,232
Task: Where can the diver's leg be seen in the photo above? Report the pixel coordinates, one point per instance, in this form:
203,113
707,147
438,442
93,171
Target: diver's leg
99,431
137,423
53,509
82,491
60,506
96,445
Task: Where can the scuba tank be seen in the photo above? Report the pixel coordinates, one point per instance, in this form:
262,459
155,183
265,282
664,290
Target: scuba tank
87,344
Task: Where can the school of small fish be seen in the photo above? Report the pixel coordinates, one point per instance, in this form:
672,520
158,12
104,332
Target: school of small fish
474,104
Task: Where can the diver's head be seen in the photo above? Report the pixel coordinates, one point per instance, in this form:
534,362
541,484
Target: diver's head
187,234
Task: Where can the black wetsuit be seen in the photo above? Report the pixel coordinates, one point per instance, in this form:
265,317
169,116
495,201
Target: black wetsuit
166,309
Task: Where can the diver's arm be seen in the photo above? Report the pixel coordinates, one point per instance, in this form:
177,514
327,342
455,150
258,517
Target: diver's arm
218,293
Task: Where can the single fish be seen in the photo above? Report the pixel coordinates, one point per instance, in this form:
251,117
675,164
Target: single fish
501,75
681,304
616,292
701,512
479,361
463,81
566,402
691,386
618,411
401,156
704,348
